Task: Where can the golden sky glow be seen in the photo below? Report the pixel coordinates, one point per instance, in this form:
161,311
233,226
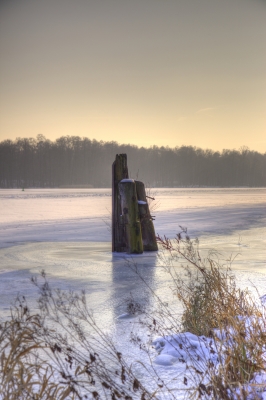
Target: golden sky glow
147,72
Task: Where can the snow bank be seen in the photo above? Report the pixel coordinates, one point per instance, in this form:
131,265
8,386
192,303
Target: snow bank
199,351
184,347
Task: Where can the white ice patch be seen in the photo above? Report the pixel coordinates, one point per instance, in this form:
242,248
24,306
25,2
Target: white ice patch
142,202
126,180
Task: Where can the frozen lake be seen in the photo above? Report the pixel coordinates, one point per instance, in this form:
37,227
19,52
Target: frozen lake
84,214
67,233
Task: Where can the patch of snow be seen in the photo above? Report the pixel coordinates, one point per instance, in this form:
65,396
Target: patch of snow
185,347
166,360
127,181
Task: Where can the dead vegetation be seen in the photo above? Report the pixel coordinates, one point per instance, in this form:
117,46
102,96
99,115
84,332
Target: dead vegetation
61,353
214,307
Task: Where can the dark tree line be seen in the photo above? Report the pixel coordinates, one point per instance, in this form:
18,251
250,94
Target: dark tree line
75,161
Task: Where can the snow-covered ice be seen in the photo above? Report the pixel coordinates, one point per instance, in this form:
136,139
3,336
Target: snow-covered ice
84,214
67,233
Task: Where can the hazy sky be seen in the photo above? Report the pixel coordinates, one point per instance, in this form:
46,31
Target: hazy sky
164,72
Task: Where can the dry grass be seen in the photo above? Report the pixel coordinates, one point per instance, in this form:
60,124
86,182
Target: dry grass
52,354
213,306
23,375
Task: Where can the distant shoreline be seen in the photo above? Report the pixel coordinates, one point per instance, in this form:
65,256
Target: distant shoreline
153,187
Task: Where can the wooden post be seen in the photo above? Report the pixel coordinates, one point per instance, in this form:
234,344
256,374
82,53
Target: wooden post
130,215
147,227
119,172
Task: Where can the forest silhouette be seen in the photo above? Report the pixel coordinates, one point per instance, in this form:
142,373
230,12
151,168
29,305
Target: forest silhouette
72,161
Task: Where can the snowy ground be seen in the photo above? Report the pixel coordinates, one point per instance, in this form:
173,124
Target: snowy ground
67,233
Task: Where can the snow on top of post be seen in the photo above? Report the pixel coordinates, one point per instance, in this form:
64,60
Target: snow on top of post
126,180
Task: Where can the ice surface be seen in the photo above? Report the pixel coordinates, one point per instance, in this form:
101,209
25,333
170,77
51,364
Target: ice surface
67,233
85,214
54,215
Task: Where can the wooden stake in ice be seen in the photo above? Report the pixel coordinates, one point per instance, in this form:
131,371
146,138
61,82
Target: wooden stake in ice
147,227
130,215
132,226
119,172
